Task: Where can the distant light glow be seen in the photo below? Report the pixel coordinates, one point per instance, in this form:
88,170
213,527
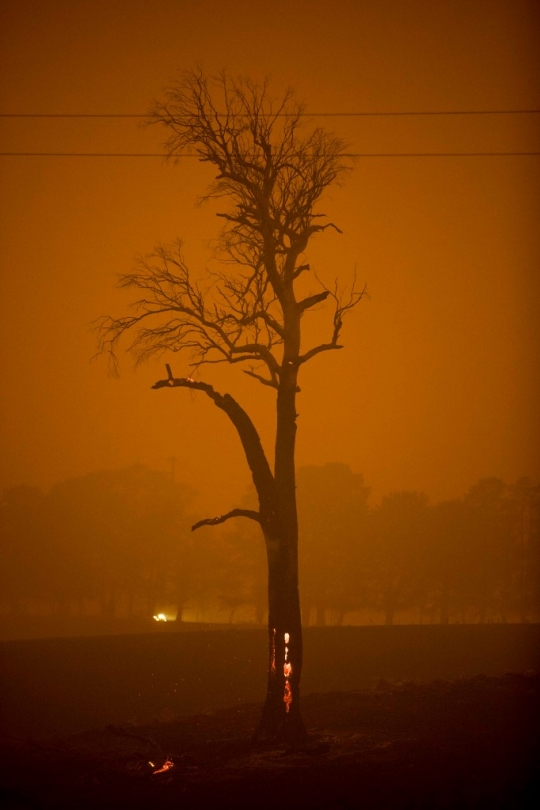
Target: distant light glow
160,617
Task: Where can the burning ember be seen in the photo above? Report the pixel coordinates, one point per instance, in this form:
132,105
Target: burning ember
167,765
160,617
287,697
287,669
273,662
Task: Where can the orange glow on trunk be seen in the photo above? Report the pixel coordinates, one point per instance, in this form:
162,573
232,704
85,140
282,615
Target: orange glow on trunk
287,697
287,669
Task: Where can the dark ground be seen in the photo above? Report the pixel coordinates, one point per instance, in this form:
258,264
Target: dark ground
472,742
462,744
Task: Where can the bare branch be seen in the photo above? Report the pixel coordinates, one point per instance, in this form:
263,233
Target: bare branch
323,347
226,319
248,513
344,302
273,173
273,383
247,432
300,269
313,299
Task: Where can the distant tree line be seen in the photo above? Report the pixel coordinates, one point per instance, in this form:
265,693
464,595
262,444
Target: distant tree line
118,543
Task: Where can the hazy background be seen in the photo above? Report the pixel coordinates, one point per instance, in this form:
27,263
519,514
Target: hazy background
438,384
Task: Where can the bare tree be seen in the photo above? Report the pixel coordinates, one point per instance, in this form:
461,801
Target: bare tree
272,172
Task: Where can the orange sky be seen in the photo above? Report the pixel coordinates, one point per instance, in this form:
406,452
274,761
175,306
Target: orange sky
438,385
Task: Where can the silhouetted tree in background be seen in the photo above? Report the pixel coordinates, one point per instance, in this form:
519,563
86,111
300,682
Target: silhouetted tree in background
397,539
524,509
24,552
110,536
127,526
273,174
488,553
332,507
445,570
244,580
115,544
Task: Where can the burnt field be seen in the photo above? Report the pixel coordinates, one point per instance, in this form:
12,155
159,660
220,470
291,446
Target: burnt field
67,685
399,717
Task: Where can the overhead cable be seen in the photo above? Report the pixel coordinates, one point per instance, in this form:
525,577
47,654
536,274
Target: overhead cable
388,113
203,159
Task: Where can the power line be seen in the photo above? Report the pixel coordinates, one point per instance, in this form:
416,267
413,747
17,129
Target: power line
190,155
305,115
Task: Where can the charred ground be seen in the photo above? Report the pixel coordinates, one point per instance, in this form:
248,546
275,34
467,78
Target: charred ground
466,743
398,717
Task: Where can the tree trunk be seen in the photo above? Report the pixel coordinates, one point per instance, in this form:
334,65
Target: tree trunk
179,610
445,604
281,718
320,615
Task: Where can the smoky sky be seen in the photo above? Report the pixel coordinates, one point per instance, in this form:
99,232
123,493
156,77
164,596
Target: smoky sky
437,385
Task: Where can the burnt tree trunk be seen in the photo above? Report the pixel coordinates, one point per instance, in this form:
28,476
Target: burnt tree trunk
281,716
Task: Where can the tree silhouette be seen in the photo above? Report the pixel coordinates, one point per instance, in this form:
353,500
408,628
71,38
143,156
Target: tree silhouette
524,508
273,174
116,534
24,552
398,529
332,508
488,557
446,576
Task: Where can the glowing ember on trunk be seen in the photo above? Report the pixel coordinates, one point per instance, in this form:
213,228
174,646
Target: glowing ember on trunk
287,669
273,661
287,697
